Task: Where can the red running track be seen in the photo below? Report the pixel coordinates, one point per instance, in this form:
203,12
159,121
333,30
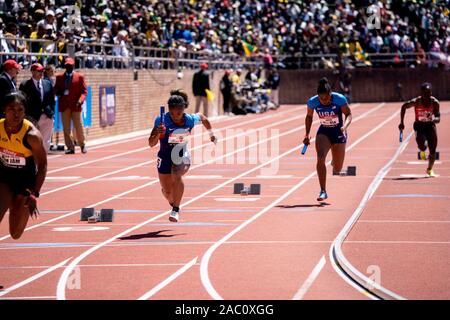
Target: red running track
272,246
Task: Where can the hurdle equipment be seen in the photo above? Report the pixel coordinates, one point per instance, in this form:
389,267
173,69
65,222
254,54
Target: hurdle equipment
350,171
92,216
240,188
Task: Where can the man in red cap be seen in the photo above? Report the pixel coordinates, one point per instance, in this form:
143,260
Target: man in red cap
200,83
8,79
71,89
40,102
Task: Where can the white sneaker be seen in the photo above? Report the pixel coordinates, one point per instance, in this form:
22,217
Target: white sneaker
174,216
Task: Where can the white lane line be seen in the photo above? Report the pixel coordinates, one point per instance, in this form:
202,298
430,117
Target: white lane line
311,278
33,278
30,298
61,294
117,265
351,274
404,221
204,273
155,181
164,283
116,155
127,168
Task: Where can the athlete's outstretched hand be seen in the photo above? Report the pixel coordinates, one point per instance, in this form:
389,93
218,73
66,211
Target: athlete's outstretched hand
306,140
401,126
31,204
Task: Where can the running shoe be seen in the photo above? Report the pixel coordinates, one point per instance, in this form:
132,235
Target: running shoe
174,216
430,173
423,155
322,196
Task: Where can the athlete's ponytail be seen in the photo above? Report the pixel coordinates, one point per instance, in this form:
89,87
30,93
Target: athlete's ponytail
183,94
324,86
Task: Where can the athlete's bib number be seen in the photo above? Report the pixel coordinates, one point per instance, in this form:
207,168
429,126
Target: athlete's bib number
177,137
329,121
12,159
424,116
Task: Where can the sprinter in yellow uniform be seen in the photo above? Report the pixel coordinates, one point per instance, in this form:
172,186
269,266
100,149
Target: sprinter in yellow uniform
23,164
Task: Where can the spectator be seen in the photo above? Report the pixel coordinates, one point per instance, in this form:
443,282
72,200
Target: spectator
273,81
8,78
40,105
200,83
225,87
71,89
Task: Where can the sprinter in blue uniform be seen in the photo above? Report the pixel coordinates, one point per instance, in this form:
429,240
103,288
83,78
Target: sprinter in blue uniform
332,133
174,159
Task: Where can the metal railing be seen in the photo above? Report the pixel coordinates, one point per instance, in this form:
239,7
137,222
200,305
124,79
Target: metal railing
126,56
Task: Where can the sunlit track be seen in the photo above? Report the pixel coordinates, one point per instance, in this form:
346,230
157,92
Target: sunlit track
282,254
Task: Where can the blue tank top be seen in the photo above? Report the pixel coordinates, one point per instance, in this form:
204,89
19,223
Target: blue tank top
330,116
176,134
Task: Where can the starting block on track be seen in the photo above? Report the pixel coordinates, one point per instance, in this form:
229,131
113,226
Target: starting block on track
350,171
240,188
92,216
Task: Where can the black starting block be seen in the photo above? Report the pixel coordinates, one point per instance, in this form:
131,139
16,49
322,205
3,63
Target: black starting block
418,155
240,188
350,171
57,147
92,216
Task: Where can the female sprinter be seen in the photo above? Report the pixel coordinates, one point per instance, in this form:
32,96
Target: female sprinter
332,133
173,156
23,164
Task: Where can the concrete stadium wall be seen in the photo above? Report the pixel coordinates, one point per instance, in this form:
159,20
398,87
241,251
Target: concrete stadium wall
138,101
368,85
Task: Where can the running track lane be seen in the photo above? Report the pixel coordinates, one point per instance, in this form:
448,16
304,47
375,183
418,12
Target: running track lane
159,234
402,235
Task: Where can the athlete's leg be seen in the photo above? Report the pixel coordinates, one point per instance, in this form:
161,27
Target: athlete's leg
338,154
19,213
421,140
178,183
432,145
323,145
5,199
166,186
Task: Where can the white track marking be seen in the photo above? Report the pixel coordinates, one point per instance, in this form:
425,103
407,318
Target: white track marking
33,278
164,283
146,147
335,252
63,279
204,274
311,278
155,181
141,164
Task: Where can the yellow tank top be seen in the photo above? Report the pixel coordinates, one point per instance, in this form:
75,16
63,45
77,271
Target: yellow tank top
13,152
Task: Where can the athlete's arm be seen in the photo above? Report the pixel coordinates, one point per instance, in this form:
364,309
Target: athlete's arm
208,127
348,117
308,124
406,105
34,139
155,134
436,111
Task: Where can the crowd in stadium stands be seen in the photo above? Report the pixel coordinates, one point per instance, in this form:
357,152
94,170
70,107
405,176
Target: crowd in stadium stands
264,28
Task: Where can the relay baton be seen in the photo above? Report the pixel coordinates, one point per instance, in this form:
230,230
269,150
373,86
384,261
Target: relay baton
305,146
401,135
162,111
